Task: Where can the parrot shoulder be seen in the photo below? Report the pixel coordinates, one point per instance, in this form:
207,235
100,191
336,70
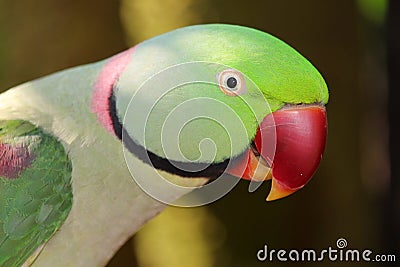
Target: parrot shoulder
35,190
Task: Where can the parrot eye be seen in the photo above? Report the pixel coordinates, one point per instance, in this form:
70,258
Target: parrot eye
231,82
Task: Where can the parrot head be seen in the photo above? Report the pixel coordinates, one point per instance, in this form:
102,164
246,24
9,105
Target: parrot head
207,100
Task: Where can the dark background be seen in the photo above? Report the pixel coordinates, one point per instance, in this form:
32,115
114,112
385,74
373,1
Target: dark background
355,193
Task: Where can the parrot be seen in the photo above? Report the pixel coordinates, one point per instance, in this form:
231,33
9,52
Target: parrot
90,154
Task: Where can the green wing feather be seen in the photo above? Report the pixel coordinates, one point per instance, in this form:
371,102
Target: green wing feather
34,204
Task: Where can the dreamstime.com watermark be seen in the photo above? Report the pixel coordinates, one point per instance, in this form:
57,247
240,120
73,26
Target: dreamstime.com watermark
339,253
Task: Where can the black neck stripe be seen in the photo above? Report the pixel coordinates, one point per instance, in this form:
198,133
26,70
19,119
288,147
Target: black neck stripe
117,126
213,170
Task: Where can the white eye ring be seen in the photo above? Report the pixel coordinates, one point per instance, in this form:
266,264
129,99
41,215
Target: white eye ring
231,82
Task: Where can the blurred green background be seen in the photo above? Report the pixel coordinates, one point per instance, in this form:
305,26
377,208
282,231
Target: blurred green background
347,198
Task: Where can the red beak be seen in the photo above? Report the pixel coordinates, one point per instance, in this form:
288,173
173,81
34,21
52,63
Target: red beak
287,148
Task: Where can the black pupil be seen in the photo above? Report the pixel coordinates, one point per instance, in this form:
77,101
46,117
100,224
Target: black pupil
231,82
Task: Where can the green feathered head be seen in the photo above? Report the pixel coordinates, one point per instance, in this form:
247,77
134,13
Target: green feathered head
208,99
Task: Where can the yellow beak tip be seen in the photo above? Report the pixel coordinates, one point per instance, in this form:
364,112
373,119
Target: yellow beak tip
278,191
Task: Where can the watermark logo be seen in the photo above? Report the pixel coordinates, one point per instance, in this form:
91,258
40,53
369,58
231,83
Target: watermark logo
341,243
339,253
185,120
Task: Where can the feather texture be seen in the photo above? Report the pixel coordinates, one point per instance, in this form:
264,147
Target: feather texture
35,190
